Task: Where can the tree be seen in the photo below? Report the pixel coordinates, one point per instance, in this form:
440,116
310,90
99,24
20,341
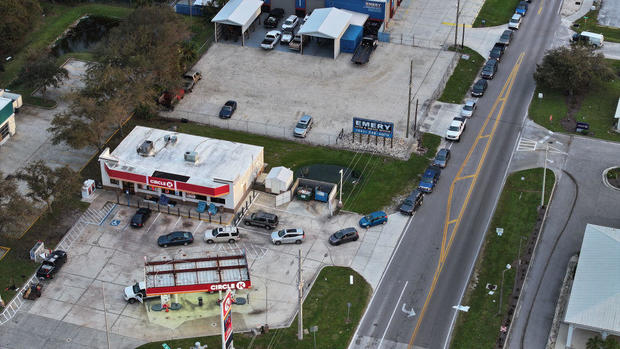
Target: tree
41,71
85,123
598,343
45,183
17,17
572,70
13,207
188,52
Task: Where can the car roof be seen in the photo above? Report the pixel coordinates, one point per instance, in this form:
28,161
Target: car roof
347,230
305,118
481,82
456,122
378,213
507,32
470,102
516,16
273,32
291,17
443,151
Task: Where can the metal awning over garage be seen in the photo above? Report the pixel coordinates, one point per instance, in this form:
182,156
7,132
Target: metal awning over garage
241,13
327,23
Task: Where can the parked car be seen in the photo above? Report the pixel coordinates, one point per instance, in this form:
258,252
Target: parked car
489,69
373,219
515,22
303,126
429,179
274,18
137,292
522,8
228,109
442,157
588,38
506,37
297,42
262,219
190,79
288,236
50,265
469,108
287,37
456,129
175,238
271,39
290,23
344,235
497,52
228,234
412,202
140,217
479,88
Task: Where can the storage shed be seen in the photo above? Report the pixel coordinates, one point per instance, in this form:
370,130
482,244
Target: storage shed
327,24
278,180
237,13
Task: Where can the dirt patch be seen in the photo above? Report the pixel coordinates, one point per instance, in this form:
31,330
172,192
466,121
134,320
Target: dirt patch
574,104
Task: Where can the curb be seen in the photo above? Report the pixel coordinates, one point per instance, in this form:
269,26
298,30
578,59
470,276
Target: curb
605,181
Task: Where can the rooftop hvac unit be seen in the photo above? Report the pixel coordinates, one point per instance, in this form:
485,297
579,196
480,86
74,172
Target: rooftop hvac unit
191,156
146,148
170,139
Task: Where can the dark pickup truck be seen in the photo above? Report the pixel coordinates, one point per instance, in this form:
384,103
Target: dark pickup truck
51,264
363,51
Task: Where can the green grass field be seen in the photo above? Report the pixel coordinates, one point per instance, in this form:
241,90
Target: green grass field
516,212
497,12
598,109
462,78
590,24
324,307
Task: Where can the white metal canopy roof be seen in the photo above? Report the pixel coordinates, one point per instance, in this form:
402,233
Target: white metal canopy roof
329,23
594,301
239,12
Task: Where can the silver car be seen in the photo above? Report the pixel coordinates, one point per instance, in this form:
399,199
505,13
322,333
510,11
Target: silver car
228,234
303,126
288,236
468,108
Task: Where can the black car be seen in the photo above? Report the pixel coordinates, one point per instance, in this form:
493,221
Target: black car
52,264
262,219
412,202
497,52
442,157
479,87
271,22
506,37
140,217
228,109
175,238
489,69
344,235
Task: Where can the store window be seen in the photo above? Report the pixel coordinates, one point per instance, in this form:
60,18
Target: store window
113,181
218,200
200,197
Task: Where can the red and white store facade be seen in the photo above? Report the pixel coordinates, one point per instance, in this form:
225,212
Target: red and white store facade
222,175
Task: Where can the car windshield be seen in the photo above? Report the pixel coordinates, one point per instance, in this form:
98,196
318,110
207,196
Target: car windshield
367,217
281,233
514,20
468,107
214,232
289,21
226,108
408,202
441,157
453,128
186,235
301,125
136,289
339,234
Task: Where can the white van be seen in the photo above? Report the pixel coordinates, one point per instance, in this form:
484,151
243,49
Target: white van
590,38
515,21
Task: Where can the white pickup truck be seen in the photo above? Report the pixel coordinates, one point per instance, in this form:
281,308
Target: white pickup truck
271,40
136,292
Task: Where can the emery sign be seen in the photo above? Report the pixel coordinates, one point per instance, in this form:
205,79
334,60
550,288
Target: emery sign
373,127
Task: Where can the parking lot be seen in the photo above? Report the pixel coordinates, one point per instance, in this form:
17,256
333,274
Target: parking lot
110,256
274,89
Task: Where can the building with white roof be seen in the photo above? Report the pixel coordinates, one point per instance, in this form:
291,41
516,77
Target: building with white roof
594,303
7,119
183,167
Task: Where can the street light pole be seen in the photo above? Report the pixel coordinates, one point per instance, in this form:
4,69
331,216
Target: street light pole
501,289
340,199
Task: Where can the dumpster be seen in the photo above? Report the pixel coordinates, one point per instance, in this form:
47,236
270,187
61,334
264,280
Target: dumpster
320,195
304,193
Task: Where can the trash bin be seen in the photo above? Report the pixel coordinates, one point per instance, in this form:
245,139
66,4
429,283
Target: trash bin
200,301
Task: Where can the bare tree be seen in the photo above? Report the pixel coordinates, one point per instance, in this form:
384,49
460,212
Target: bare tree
45,184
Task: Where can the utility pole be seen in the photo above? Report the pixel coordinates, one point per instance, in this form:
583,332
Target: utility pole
189,3
340,199
409,99
463,38
456,27
415,119
300,334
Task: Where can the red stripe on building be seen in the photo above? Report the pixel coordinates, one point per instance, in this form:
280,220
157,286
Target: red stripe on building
125,176
238,285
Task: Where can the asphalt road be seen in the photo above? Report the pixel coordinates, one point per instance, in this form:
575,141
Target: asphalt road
432,264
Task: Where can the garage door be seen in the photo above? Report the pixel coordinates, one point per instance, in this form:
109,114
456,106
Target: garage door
312,4
287,5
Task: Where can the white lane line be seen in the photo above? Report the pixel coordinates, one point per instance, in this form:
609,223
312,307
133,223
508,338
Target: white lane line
391,317
402,235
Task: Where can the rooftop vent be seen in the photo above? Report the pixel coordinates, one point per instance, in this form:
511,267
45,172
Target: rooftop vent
191,156
172,139
146,148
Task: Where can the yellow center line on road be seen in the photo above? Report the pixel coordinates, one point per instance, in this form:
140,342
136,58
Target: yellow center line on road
462,178
505,92
542,2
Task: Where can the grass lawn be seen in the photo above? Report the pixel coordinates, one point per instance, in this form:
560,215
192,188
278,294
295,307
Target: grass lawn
598,109
496,12
324,307
590,24
462,78
516,212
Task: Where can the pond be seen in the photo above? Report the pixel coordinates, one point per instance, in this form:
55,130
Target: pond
81,37
328,173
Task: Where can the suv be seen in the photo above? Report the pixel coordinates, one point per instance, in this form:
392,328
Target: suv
290,23
468,108
412,202
262,219
515,21
223,234
497,52
429,179
140,217
522,8
479,87
288,236
489,69
506,37
442,157
303,126
456,129
190,79
51,265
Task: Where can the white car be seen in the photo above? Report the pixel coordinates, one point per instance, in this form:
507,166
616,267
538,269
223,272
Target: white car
515,21
303,126
228,234
468,108
456,129
271,39
290,23
287,37
288,236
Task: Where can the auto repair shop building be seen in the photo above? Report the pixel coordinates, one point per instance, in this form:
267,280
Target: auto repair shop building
184,167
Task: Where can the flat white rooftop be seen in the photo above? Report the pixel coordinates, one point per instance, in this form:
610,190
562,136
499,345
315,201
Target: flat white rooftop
217,160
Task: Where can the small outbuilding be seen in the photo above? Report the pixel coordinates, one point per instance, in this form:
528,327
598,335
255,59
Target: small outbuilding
278,180
327,24
236,17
